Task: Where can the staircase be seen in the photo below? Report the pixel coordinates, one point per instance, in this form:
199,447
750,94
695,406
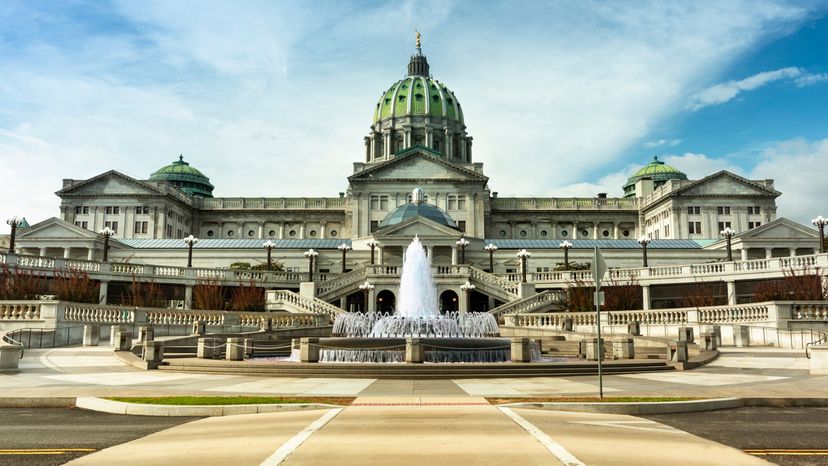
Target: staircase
492,285
545,301
340,285
288,301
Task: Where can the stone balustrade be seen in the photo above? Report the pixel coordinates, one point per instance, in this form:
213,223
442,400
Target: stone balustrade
336,283
531,304
510,287
19,310
284,300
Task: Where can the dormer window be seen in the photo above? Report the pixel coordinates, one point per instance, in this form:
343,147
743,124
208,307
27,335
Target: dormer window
419,97
401,98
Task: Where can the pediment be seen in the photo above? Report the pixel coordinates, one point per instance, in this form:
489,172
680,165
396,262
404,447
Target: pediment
725,183
418,165
780,229
55,228
110,183
418,226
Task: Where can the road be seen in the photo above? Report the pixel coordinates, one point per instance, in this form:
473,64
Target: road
52,436
794,432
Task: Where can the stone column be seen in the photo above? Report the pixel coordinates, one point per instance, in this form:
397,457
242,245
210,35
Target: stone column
66,253
91,335
414,351
235,349
615,230
453,255
645,297
768,253
103,292
744,253
731,292
595,230
791,252
188,297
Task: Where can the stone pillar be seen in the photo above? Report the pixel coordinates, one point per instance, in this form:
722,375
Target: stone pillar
235,349
91,334
10,356
645,297
453,255
90,254
114,331
414,351
103,292
248,347
146,333
595,230
819,359
463,302
521,350
594,348
307,289
744,253
680,354
623,348
741,336
686,334
66,253
615,230
731,293
526,290
634,328
768,253
123,341
188,297
208,348
154,351
309,349
717,334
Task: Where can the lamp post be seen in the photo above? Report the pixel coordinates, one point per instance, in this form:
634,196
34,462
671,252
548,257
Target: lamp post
729,233
190,240
366,291
372,243
344,248
462,242
644,241
311,255
491,248
467,289
524,256
818,222
269,245
12,222
566,246
106,233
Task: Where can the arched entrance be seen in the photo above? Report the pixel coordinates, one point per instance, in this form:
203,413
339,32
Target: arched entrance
386,301
449,302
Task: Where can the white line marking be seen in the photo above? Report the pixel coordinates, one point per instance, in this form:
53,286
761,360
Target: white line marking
554,447
645,425
291,445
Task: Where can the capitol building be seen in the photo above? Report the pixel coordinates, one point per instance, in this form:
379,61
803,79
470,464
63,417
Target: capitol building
417,139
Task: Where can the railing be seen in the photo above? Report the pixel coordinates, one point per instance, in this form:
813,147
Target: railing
506,203
20,310
337,283
273,203
78,312
531,304
508,287
187,318
810,311
387,270
741,313
297,303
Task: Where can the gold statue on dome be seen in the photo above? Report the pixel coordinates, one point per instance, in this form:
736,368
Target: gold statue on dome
418,38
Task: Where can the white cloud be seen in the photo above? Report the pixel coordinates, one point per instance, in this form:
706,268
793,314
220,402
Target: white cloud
724,92
274,98
662,143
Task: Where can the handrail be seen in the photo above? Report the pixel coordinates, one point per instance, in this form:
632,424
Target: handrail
814,343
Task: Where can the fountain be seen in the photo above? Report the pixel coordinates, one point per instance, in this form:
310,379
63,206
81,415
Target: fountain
449,337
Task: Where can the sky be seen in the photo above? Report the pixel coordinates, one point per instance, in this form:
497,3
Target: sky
273,98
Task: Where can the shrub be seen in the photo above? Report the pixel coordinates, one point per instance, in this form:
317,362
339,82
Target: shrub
208,295
75,286
21,284
247,297
144,294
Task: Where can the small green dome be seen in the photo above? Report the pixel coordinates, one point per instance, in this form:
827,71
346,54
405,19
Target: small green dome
418,94
418,208
185,177
657,171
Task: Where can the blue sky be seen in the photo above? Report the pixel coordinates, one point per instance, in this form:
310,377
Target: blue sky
274,98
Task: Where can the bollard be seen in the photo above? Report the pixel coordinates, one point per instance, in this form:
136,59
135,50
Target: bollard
309,349
208,348
199,327
10,356
594,348
634,328
521,351
741,336
708,341
623,348
414,351
91,335
248,347
686,334
114,330
154,351
717,335
680,355
582,352
146,333
235,349
124,341
267,324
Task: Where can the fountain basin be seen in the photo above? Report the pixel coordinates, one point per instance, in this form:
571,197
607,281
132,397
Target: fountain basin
435,349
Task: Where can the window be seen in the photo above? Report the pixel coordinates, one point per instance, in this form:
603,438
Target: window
83,225
333,233
723,210
544,233
78,210
313,233
456,202
379,202
143,210
180,234
694,228
85,209
694,210
584,233
502,233
626,233
755,210
754,224
564,233
605,233
141,227
113,210
271,233
723,225
230,233
169,231
210,233
436,145
374,225
461,224
292,233
112,226
523,233
251,233
666,231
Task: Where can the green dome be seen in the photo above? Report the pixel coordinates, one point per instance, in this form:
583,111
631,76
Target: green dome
657,171
418,209
185,177
418,95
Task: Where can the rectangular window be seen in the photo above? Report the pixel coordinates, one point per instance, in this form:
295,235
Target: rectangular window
82,224
694,228
78,210
141,227
723,225
374,225
108,210
112,226
723,210
666,231
755,210
85,209
383,203
752,225
461,224
379,202
695,210
461,202
169,231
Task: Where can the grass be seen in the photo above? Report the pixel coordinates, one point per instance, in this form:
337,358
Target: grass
225,400
593,399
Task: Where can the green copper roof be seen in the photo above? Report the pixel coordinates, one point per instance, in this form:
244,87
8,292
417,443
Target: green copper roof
185,177
418,95
411,210
657,171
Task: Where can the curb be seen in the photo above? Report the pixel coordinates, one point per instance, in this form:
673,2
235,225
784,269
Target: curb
36,402
656,407
136,409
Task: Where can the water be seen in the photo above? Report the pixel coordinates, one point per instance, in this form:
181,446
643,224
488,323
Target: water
418,295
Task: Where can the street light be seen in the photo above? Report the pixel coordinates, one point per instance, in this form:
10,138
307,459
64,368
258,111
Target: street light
366,288
311,255
644,241
524,256
467,288
344,248
818,222
12,222
462,242
269,245
190,240
729,233
106,233
566,246
372,243
491,248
